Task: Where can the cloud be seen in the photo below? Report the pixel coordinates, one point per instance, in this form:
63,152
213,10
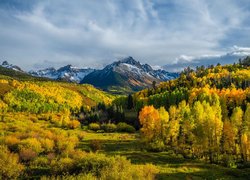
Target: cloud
90,33
230,57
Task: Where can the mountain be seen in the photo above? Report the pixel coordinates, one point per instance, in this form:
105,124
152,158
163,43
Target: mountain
14,72
127,75
5,64
68,73
228,58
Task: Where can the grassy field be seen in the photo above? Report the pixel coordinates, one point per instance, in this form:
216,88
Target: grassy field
171,166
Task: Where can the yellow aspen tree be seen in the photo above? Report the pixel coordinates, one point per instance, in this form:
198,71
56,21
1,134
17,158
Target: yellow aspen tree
174,126
236,120
149,119
164,123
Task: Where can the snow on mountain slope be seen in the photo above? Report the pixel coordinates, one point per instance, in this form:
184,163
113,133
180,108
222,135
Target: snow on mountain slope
11,66
127,73
130,66
69,73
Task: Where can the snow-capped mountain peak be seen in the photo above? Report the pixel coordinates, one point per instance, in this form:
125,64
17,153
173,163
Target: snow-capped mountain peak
11,66
127,73
68,72
130,65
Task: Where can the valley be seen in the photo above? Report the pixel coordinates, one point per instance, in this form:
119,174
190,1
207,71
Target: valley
124,90
193,127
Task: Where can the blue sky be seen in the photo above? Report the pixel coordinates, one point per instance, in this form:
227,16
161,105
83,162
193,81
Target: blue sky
41,33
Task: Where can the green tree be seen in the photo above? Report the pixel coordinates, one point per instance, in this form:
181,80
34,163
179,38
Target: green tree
130,102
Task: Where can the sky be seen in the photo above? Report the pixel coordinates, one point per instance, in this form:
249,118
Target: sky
36,34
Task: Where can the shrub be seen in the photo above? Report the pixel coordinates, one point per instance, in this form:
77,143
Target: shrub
229,161
156,146
10,168
116,167
81,135
147,171
34,119
40,162
47,144
93,163
74,124
33,144
88,176
95,145
99,166
123,169
12,143
66,144
27,154
62,166
124,127
110,127
100,131
94,126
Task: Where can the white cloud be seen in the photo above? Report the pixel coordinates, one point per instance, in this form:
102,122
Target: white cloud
237,48
90,33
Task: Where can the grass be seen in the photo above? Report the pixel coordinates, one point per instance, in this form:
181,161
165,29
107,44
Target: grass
171,166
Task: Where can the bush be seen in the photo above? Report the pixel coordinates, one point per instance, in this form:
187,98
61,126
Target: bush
32,143
100,131
27,154
65,145
95,145
229,161
47,144
62,166
74,124
12,143
99,166
116,167
124,127
110,127
88,176
40,162
94,126
10,168
95,164
156,146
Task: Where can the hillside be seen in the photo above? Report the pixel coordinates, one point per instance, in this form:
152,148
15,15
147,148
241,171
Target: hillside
37,96
204,114
191,84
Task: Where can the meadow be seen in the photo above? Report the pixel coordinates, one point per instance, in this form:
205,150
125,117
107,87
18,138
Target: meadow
47,160
170,165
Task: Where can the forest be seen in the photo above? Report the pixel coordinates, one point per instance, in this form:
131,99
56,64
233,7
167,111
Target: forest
192,127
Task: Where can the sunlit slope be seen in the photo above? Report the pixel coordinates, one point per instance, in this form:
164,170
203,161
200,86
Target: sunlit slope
41,96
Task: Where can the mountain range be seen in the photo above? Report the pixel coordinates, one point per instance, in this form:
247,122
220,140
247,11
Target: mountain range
129,75
126,75
68,73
